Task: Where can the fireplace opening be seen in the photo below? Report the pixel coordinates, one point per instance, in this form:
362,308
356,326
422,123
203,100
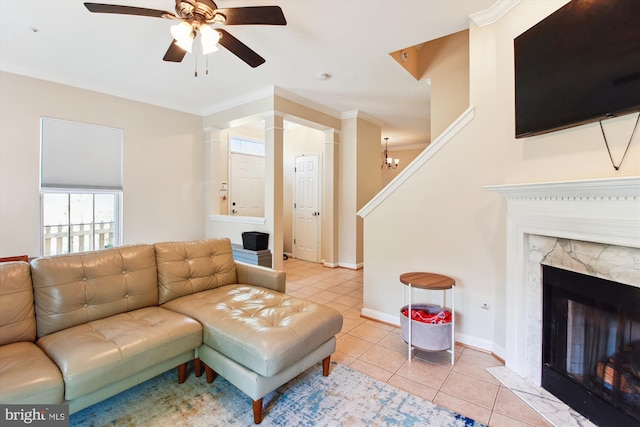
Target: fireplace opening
591,345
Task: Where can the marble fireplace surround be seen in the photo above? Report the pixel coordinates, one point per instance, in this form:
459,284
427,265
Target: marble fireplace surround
588,226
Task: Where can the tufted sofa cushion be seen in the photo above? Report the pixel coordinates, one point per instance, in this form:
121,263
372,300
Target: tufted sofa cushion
75,289
27,375
188,267
263,330
17,317
103,351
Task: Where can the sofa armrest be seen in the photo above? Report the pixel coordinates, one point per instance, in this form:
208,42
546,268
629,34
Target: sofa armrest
260,276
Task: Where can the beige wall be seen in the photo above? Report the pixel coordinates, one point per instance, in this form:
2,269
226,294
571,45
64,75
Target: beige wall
445,62
368,169
359,174
164,195
445,222
406,156
408,58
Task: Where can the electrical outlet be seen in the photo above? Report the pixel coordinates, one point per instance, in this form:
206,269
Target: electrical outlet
485,305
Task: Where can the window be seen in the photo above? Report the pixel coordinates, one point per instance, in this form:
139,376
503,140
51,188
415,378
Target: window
79,221
80,186
246,146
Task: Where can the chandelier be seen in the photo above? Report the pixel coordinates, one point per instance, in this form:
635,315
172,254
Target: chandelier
390,162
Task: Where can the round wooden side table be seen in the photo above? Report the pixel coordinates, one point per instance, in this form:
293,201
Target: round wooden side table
432,282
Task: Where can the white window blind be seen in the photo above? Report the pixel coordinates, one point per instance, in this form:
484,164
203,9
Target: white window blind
79,155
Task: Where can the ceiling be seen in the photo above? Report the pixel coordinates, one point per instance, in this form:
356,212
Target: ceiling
61,41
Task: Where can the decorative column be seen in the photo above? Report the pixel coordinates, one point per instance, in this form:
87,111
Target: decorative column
329,209
274,184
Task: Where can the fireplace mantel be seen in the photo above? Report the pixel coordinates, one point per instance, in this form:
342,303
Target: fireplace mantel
598,210
603,211
593,188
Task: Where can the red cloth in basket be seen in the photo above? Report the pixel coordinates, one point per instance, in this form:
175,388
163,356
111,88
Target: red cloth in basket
423,316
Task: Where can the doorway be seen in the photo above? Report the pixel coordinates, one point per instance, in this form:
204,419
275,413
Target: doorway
306,208
246,191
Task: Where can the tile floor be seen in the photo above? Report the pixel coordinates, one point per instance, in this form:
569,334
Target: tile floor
377,350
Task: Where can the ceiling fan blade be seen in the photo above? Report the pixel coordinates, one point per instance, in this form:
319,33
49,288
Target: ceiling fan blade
239,49
127,10
257,15
175,53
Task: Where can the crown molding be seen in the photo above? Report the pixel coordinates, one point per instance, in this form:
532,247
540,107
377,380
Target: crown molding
494,13
357,114
240,100
283,93
82,85
271,91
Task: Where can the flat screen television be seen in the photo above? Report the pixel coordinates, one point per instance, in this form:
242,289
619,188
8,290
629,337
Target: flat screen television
579,65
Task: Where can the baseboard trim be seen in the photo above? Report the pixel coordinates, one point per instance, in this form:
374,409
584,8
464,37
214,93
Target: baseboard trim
381,317
330,264
463,340
350,266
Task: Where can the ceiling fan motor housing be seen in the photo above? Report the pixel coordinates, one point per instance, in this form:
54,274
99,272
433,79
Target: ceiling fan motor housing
199,10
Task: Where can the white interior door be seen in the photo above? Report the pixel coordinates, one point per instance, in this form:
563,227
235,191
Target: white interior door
306,229
246,185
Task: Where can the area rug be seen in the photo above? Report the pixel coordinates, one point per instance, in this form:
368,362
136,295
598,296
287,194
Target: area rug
344,398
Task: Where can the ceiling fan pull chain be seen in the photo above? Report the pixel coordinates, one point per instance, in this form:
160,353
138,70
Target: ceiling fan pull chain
195,71
606,143
206,58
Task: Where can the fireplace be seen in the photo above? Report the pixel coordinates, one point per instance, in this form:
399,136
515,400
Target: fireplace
590,227
591,345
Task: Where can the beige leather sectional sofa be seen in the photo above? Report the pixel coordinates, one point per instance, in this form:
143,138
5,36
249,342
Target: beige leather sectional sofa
79,328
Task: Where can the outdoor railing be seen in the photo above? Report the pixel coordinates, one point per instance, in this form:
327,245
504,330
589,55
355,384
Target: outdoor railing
82,237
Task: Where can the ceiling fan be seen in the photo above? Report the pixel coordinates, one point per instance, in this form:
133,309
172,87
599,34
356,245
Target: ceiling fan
195,17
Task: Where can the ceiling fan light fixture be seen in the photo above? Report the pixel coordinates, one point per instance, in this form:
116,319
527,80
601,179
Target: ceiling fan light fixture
209,39
183,34
186,44
207,49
